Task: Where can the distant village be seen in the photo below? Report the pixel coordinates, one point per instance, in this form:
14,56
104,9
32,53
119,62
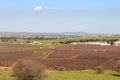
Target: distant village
115,43
104,43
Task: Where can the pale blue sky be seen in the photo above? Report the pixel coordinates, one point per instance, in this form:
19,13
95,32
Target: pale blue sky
94,16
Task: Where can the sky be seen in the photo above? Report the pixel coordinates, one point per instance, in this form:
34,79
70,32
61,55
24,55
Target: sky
91,16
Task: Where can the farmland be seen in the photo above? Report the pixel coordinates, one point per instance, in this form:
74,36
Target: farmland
74,61
71,57
84,56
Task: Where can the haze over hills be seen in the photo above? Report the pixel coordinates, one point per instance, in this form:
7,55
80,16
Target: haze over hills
41,34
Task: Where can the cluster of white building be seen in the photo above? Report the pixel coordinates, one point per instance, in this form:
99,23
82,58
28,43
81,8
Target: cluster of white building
117,43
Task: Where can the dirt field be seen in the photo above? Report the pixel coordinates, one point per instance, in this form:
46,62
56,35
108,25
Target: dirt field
67,56
84,56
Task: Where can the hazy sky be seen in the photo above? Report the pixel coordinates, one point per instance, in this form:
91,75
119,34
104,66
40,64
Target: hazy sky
94,16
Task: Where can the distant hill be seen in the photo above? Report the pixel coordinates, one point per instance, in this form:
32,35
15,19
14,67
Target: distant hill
56,35
28,34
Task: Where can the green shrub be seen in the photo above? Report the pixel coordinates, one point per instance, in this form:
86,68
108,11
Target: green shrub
118,68
99,69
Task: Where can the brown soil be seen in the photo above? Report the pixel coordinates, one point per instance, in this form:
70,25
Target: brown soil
67,56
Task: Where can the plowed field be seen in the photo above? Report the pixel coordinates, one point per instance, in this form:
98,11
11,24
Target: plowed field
67,56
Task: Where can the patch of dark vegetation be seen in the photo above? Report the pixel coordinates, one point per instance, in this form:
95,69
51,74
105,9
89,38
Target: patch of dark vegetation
117,75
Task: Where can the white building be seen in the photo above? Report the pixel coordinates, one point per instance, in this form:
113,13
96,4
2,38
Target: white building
117,43
35,42
91,43
104,43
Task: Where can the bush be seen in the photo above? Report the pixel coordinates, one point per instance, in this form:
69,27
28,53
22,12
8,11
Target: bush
118,66
60,68
99,70
28,70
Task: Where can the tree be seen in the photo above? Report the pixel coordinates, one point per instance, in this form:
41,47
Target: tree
28,70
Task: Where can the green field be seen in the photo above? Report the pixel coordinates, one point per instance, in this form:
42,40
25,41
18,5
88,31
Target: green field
82,75
72,75
5,75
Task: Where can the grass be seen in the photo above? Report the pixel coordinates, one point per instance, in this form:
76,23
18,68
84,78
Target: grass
5,75
16,52
72,75
82,75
